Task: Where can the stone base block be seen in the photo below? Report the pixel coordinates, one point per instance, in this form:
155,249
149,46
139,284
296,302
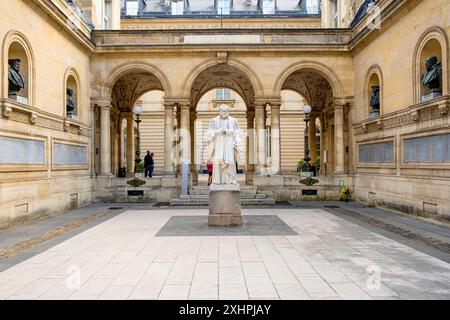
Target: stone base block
224,220
224,208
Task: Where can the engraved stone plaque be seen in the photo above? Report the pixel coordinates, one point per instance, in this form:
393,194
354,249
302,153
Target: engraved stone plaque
21,151
382,152
430,148
67,154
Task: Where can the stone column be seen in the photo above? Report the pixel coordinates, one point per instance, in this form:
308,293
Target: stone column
339,139
193,142
312,138
322,143
177,158
168,139
351,154
185,135
250,147
105,140
93,144
260,122
275,138
130,144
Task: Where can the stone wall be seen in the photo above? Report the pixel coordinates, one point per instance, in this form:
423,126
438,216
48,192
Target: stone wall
45,168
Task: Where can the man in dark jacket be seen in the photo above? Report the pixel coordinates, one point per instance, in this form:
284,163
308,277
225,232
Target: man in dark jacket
149,164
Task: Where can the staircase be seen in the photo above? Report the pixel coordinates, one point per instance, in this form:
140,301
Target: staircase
198,196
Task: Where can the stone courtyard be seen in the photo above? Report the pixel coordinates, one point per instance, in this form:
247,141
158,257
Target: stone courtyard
282,253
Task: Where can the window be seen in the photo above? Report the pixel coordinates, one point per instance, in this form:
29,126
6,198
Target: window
268,6
177,7
107,14
335,13
223,7
312,6
223,94
132,8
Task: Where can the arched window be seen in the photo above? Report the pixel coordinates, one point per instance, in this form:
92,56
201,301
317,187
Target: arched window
19,69
431,66
373,92
71,94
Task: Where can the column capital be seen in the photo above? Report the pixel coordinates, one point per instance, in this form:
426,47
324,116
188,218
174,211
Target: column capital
268,100
102,102
342,102
184,106
168,105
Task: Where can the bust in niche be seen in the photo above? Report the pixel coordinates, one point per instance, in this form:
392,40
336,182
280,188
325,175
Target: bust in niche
70,104
375,100
432,77
15,80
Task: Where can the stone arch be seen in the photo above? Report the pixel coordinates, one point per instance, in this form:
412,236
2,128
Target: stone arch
247,71
129,67
71,72
322,69
373,70
12,37
438,34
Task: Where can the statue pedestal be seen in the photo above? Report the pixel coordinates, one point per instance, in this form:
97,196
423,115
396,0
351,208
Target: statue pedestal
432,95
16,97
224,206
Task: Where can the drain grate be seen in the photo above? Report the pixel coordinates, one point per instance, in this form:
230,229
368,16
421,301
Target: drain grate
332,207
115,208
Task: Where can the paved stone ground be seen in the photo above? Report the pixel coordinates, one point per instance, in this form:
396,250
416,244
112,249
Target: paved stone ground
122,258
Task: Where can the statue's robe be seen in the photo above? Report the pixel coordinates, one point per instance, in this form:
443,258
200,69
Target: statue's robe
224,149
432,78
16,82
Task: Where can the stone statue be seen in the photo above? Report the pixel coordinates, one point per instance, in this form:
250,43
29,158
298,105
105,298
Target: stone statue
224,148
375,100
70,104
432,78
16,82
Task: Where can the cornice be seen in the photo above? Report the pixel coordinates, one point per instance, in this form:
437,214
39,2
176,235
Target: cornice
60,12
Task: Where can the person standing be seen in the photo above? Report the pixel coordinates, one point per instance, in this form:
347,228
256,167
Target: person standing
148,163
152,164
209,167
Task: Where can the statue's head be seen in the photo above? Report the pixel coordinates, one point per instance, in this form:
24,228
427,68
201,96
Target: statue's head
375,90
430,62
224,111
69,92
15,64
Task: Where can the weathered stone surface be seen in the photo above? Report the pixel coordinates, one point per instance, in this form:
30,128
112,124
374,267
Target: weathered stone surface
224,208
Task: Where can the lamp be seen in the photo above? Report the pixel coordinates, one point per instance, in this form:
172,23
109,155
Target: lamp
137,111
307,110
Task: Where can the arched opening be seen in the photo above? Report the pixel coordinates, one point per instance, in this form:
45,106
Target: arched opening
315,90
205,110
72,97
430,68
292,146
126,91
373,94
431,71
152,128
19,74
222,83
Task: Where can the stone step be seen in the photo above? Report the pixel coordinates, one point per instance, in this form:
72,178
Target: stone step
244,193
206,187
204,201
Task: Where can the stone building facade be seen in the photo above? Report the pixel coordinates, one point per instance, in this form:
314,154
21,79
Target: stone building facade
110,53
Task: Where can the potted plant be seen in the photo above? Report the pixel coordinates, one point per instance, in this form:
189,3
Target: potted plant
345,194
304,169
